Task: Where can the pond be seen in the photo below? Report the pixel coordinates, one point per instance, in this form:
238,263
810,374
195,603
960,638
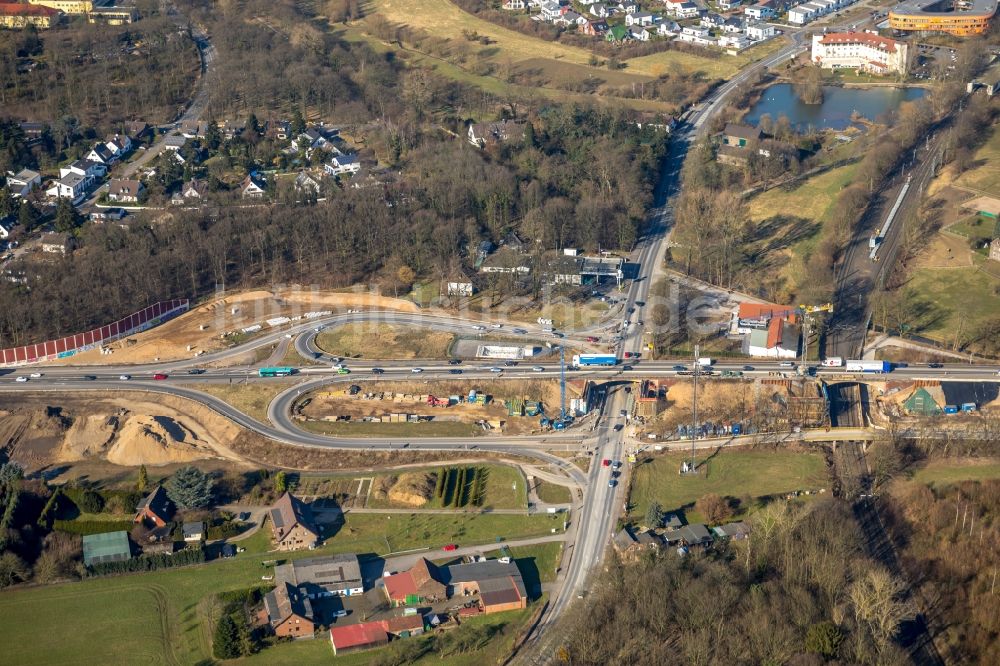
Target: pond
836,109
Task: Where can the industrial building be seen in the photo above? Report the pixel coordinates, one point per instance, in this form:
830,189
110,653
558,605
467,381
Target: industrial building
937,16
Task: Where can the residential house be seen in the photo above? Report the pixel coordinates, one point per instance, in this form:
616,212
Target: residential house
101,153
23,182
420,584
733,25
342,163
278,129
194,532
106,547
461,288
640,19
136,129
6,227
571,18
594,28
33,131
760,31
108,214
155,509
779,340
501,131
638,33
628,7
232,129
292,524
289,612
617,34
626,543
550,11
736,531
731,41
119,145
193,129
367,635
740,136
682,8
253,187
599,10
802,14
711,20
729,5
364,177
89,169
18,15
57,243
125,190
498,585
696,35
514,5
327,576
66,6
72,186
762,11
175,142
194,189
506,260
688,535
159,541
306,182
668,29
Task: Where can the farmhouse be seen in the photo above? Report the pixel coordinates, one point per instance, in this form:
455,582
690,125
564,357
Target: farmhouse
367,635
288,612
155,509
420,584
329,576
292,524
499,586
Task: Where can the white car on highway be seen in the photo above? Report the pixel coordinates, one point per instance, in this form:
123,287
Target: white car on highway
479,328
496,369
22,378
36,375
124,378
538,368
415,370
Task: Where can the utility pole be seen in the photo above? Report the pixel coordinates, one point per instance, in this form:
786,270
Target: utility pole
694,408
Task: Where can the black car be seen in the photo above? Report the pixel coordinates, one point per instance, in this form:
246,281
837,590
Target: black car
90,378
455,371
680,368
748,368
377,371
640,303
510,364
455,361
196,371
935,365
626,368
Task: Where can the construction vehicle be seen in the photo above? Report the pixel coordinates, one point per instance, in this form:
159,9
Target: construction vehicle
434,401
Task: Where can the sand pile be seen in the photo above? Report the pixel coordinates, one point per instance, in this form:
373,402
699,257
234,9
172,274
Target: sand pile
156,440
89,436
413,489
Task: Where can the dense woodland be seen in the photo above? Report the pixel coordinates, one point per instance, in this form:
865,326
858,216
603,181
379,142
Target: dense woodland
97,75
800,591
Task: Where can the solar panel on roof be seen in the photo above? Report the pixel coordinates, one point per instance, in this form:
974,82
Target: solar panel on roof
277,519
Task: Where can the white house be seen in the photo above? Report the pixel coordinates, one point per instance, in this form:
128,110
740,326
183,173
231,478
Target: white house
711,21
252,187
514,5
730,41
306,182
101,153
668,29
86,168
570,18
682,9
119,144
639,18
21,183
71,186
174,142
341,164
125,190
628,7
733,25
6,226
727,5
760,31
639,33
696,35
599,10
760,12
551,11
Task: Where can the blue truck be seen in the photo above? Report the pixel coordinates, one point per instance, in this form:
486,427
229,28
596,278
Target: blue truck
583,360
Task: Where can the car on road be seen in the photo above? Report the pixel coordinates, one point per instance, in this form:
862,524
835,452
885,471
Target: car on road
196,371
89,378
377,371
612,483
787,364
455,361
935,365
160,376
244,515
510,364
450,547
124,378
640,303
22,378
520,331
497,325
591,338
479,328
623,413
615,474
455,371
340,613
748,368
36,375
416,370
343,371
626,368
605,463
617,464
618,427
496,369
538,368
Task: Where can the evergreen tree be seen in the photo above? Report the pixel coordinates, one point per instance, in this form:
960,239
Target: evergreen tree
298,123
189,488
654,515
280,482
227,640
27,216
143,483
67,219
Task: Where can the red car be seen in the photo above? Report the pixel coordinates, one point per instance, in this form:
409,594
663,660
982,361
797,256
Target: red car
451,546
606,463
159,375
591,339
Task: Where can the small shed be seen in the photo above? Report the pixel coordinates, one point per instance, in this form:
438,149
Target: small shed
194,531
106,547
921,402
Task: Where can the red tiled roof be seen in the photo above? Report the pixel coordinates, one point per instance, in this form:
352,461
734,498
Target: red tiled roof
357,635
394,625
18,9
774,332
760,310
399,585
867,38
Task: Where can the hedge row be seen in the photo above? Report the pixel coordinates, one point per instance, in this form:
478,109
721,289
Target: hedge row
149,562
84,527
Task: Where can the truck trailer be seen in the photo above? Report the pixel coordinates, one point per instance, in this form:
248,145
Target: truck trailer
833,362
583,360
868,366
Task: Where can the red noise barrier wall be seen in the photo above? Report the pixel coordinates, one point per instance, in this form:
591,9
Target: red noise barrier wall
63,347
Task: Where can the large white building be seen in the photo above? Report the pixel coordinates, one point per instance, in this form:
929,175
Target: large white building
865,51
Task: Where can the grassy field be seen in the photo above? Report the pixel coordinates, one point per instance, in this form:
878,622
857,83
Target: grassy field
985,176
728,473
974,226
440,17
552,493
934,294
384,341
251,399
158,617
812,198
944,472
403,430
723,67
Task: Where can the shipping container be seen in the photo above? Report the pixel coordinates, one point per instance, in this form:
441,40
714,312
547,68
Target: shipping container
868,366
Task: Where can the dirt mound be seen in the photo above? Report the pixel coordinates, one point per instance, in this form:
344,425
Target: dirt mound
413,489
156,440
89,436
